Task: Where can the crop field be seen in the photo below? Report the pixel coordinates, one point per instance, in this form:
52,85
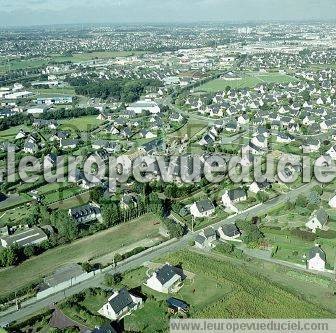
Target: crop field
79,251
249,81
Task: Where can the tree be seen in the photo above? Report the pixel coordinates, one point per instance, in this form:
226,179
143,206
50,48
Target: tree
175,230
65,225
96,194
314,198
29,251
301,201
9,256
111,214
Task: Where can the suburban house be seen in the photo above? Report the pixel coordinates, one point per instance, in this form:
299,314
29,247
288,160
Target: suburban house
86,214
256,187
25,237
147,134
332,202
233,196
30,148
228,232
311,146
332,152
119,305
206,238
50,161
166,279
203,208
21,135
68,144
316,259
129,201
318,221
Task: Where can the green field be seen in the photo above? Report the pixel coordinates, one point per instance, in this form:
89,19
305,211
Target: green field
83,124
222,288
11,132
54,91
10,64
15,216
249,81
79,251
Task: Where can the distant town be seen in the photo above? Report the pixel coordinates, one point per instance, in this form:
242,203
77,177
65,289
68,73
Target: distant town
82,253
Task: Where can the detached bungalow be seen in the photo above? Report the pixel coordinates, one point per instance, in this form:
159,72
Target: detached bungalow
316,259
201,209
166,279
228,232
318,221
119,305
206,238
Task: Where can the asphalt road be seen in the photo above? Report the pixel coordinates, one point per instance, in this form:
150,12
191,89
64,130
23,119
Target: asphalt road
150,256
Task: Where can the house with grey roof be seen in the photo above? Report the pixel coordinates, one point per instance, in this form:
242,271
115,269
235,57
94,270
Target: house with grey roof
316,259
206,238
120,304
202,208
166,279
86,213
228,232
318,220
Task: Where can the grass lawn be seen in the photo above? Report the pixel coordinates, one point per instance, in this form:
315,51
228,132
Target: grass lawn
224,288
248,81
261,298
14,202
80,199
53,91
17,64
61,194
11,132
191,128
85,249
7,64
15,216
83,124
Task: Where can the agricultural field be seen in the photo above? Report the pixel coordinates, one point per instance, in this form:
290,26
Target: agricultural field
65,91
190,129
82,250
82,124
7,65
249,81
218,287
10,133
262,298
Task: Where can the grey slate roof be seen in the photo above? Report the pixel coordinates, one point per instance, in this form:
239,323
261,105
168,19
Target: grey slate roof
230,230
121,301
316,250
322,216
236,194
165,273
204,206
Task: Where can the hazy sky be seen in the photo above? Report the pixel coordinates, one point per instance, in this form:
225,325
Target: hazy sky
33,12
